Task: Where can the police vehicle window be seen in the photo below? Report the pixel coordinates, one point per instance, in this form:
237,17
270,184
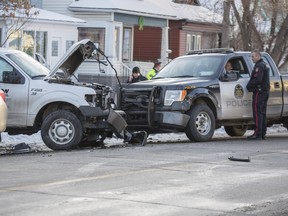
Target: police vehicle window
242,67
271,72
4,69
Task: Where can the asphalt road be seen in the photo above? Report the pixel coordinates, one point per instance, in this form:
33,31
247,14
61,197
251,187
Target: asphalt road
171,179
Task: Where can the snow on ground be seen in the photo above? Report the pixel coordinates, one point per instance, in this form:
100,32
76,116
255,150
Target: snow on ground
36,144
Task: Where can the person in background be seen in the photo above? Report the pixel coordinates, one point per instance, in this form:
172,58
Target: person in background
154,71
228,67
136,76
229,74
259,84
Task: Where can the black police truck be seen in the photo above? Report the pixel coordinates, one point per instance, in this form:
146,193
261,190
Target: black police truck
193,94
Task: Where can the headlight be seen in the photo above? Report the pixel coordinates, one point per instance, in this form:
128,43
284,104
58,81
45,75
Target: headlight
174,95
90,100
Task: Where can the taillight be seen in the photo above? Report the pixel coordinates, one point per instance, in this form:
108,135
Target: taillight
2,95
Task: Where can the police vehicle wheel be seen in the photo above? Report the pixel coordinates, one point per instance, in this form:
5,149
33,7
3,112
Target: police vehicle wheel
201,125
238,130
61,130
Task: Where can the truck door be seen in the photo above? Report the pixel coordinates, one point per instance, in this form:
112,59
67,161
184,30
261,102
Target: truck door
15,86
236,101
274,105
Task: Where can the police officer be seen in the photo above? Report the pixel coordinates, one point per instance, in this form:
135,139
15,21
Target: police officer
259,84
154,71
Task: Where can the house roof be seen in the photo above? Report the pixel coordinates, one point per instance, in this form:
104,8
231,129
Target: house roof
48,16
155,8
45,15
135,7
190,13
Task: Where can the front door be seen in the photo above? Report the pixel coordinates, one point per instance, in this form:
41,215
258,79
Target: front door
127,44
56,51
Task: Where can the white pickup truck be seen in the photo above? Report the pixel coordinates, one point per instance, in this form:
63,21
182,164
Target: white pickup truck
67,112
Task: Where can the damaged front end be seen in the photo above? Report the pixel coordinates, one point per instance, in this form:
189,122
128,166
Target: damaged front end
99,118
145,109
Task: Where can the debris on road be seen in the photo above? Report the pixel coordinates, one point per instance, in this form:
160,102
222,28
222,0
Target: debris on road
239,159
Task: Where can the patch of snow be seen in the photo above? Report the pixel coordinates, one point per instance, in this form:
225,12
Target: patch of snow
36,143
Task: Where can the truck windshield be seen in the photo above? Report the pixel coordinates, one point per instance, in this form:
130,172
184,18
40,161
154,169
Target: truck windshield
191,66
28,64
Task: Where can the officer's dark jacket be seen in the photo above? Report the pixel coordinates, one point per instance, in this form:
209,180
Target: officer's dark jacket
259,80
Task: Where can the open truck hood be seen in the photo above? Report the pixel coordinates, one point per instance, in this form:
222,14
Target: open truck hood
73,58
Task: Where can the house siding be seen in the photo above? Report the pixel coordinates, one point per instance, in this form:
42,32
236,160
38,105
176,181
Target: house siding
91,18
174,38
37,3
58,6
133,20
199,27
182,44
147,44
61,31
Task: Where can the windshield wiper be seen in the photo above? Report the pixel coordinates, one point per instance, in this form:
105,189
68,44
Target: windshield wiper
42,75
158,77
182,76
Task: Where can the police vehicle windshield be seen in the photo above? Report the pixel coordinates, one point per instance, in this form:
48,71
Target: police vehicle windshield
191,66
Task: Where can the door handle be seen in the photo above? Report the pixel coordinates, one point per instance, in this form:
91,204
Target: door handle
276,85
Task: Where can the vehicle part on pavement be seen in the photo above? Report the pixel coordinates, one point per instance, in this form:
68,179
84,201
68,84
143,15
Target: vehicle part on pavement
239,159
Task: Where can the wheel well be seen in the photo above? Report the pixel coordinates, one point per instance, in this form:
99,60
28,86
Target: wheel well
46,110
208,102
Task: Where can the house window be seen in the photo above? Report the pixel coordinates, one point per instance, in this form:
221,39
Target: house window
193,42
41,43
30,42
69,43
55,48
117,42
97,35
127,44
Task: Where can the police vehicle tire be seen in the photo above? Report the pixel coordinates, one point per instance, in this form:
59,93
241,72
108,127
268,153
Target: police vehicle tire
61,130
238,130
201,125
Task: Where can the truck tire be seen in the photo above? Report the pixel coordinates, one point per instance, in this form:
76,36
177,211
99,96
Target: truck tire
201,125
61,130
238,130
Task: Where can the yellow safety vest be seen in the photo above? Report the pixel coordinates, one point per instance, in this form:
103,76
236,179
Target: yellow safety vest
151,74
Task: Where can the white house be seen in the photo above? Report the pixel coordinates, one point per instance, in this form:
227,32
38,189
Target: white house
48,33
130,32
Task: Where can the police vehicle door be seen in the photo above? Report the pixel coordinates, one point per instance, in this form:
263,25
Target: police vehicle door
236,101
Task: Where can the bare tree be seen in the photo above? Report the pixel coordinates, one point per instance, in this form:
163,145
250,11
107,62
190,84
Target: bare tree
263,25
255,24
18,12
226,24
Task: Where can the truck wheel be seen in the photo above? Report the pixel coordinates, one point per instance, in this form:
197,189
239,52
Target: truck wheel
201,125
61,130
238,130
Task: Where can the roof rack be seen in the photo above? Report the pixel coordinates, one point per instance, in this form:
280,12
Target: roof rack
216,50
